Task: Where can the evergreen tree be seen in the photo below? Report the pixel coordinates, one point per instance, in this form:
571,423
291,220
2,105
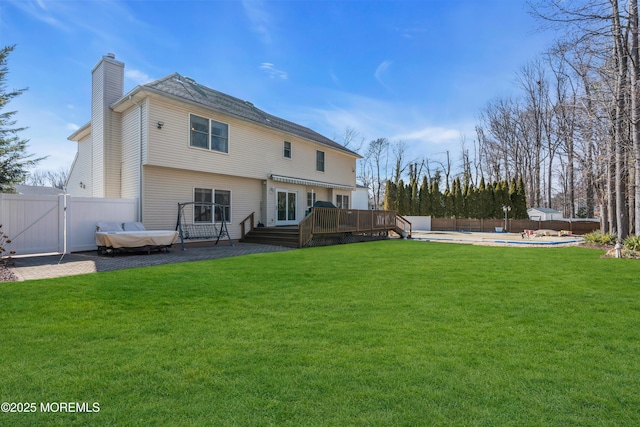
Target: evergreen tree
448,203
520,203
415,198
457,203
425,205
404,202
390,196
501,198
470,201
436,198
14,161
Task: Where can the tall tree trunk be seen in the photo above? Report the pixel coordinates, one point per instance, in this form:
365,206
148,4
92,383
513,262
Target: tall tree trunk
621,80
635,109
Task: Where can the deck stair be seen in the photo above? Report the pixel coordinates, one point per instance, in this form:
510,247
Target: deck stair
278,236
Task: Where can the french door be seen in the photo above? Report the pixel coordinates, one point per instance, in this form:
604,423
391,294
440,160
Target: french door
286,207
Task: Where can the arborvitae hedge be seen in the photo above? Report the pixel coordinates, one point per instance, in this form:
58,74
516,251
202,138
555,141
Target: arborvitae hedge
483,202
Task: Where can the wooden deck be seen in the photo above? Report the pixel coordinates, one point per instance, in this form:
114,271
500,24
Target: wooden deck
329,226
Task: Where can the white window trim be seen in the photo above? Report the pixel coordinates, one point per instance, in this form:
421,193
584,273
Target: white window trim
209,135
213,200
342,196
290,150
324,161
314,198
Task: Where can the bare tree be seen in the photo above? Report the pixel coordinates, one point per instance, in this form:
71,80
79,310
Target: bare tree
376,156
350,139
54,178
401,163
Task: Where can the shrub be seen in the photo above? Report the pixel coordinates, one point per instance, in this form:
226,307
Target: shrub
632,243
598,238
4,258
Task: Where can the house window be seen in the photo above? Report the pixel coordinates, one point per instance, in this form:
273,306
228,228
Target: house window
223,199
209,134
342,202
287,150
202,212
311,199
205,213
320,161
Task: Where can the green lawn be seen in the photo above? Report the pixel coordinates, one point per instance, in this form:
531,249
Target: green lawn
382,333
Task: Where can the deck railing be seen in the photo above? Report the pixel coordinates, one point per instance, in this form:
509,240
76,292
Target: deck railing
332,221
243,224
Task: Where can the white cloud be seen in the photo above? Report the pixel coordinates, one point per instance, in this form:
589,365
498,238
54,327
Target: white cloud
380,72
432,135
334,77
72,127
259,18
273,72
39,10
375,118
137,76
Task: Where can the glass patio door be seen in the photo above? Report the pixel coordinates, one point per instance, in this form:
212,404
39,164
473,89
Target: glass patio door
286,207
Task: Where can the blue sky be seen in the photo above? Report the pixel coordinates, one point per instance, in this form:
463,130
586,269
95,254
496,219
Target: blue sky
415,71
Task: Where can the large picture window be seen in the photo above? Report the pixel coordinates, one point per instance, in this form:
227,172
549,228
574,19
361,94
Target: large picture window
209,134
204,213
320,161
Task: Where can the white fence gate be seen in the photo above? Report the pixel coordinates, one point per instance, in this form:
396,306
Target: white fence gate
61,224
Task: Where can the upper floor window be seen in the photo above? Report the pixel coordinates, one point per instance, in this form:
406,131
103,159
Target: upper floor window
287,150
209,134
320,161
342,202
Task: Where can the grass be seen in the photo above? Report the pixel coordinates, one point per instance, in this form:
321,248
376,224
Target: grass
383,333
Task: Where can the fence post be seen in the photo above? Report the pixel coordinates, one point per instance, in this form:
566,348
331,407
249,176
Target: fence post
61,230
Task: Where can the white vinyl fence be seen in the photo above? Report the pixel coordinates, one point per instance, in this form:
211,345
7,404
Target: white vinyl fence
419,223
61,224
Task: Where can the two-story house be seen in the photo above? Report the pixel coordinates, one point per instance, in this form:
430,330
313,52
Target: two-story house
174,140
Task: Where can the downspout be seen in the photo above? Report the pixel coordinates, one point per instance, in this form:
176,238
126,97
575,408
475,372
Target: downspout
140,154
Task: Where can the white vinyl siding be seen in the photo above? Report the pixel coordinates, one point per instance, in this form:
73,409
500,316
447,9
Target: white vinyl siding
106,86
97,133
79,182
254,152
131,151
113,156
165,188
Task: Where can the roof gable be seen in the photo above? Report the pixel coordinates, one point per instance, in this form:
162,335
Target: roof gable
187,89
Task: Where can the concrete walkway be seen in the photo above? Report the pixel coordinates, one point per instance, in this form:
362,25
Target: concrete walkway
49,266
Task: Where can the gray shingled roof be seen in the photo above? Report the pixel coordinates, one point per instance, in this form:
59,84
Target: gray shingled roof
185,88
36,190
546,210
